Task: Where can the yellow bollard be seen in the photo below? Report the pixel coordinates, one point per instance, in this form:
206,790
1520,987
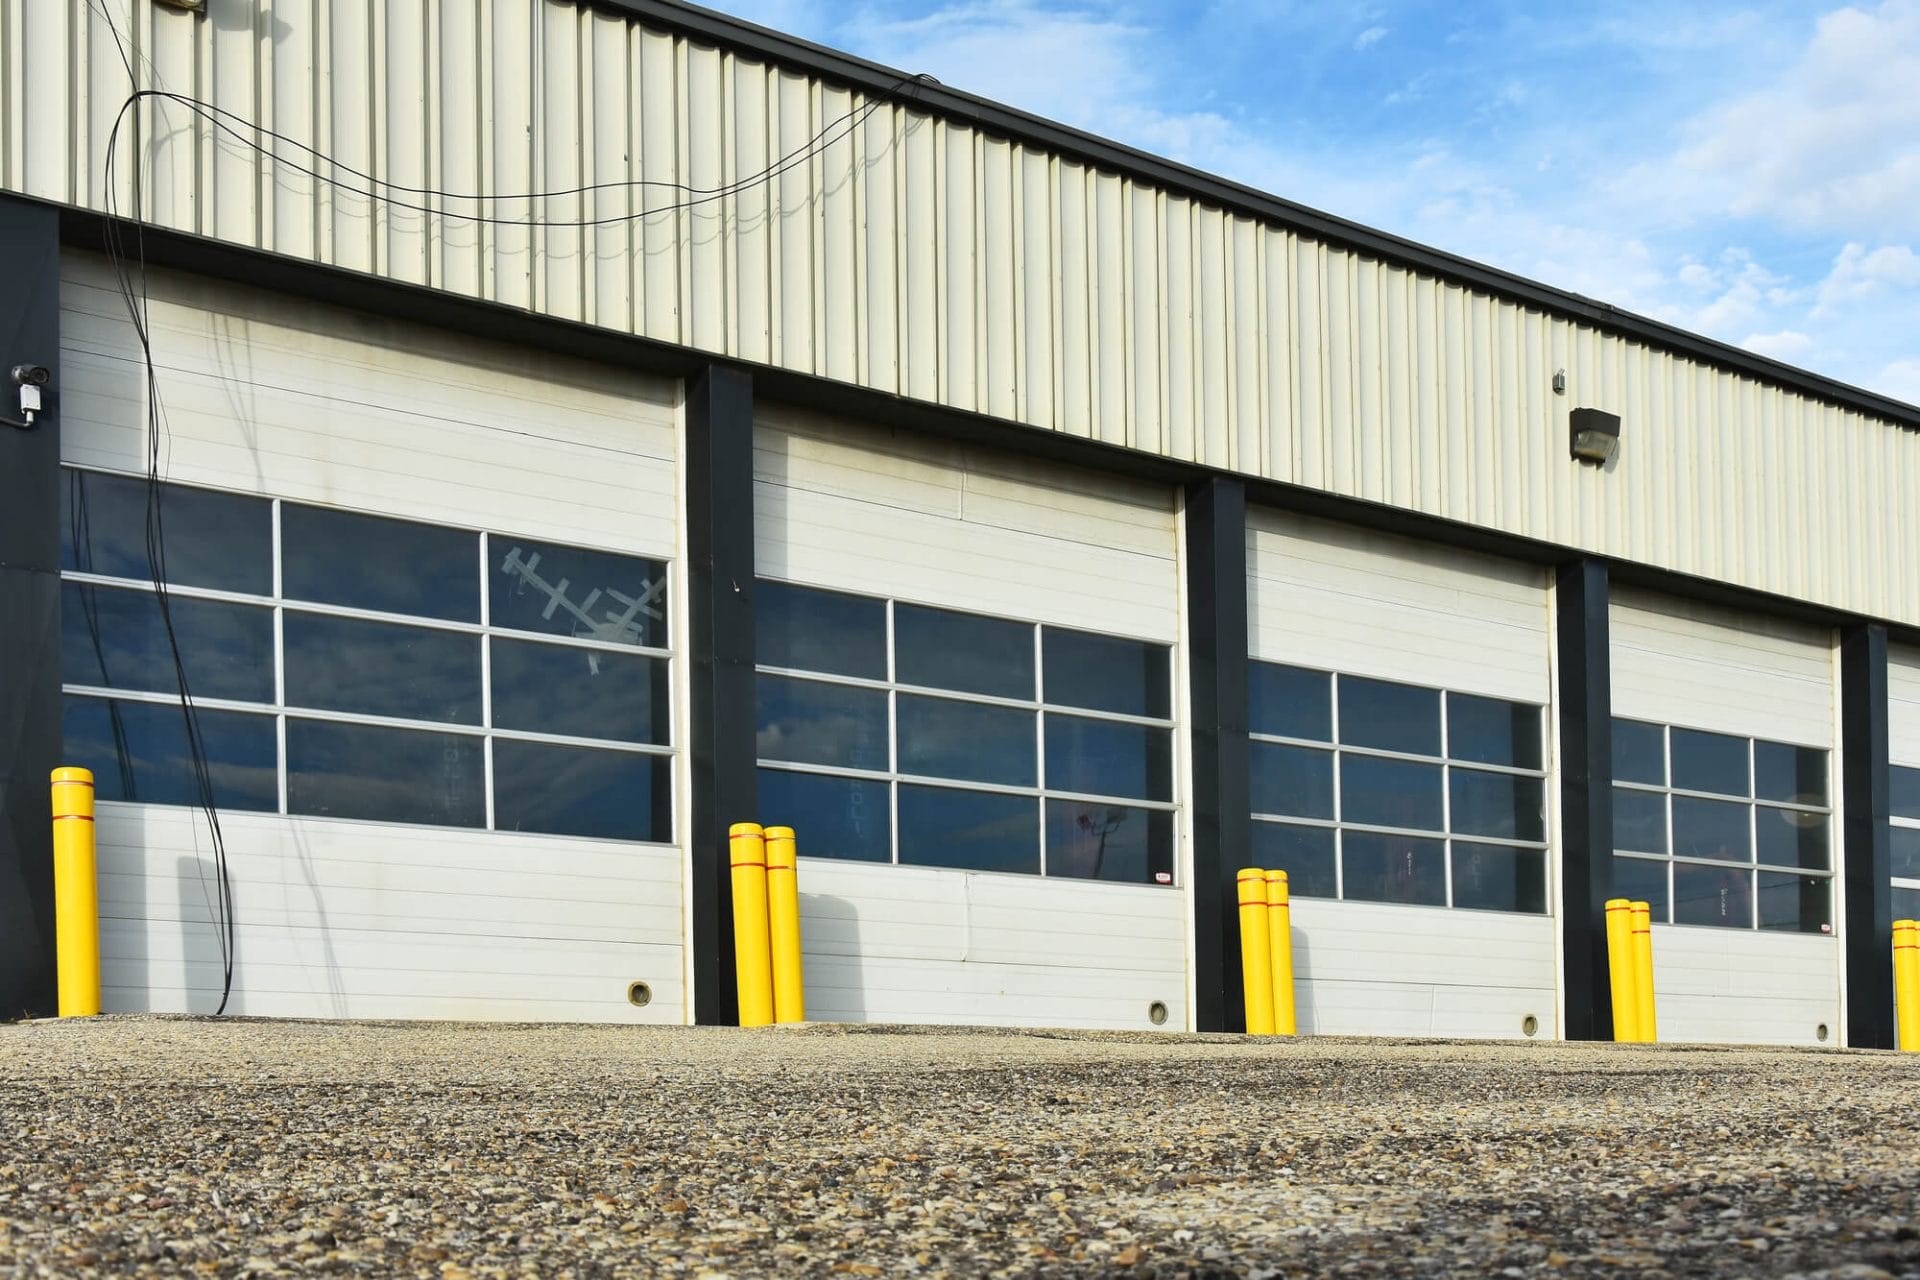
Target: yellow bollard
76,897
1649,1024
1620,971
783,926
752,960
1280,948
1256,960
1906,983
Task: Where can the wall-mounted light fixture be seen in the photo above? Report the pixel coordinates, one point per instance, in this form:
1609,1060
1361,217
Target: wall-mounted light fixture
1595,435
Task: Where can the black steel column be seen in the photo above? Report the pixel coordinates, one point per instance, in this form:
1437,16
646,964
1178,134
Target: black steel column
1866,838
720,753
29,607
1222,813
1586,796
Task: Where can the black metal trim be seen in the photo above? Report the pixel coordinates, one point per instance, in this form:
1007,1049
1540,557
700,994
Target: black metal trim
1221,805
1866,836
1585,697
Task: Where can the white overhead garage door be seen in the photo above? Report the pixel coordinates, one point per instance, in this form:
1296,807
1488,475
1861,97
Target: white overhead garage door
967,696
1724,817
422,589
1399,696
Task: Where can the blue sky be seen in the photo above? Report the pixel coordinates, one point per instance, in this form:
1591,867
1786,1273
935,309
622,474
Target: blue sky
1750,172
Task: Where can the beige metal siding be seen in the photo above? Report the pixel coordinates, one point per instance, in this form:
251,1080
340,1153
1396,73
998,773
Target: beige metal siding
921,257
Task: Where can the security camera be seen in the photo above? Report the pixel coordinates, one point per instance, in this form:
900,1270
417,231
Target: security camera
32,375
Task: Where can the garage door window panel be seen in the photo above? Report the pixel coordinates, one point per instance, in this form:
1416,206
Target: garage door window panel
379,774
803,629
947,738
1307,854
138,753
201,537
942,649
969,830
381,669
841,817
378,564
1906,842
116,638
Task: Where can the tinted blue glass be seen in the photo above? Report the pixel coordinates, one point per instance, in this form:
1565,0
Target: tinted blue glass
371,562
1289,702
1488,877
1639,820
941,738
576,791
1906,857
117,639
1721,896
570,591
1791,838
1092,841
1304,853
971,830
1383,868
1794,774
1391,793
946,650
1641,880
1711,829
207,539
1639,752
1295,781
1108,758
804,629
1713,762
1389,716
1105,673
1493,731
381,669
1795,904
833,817
138,752
807,722
1504,805
385,775
1906,903
580,693
1906,793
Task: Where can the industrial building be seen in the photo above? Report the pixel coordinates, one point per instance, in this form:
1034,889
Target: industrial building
540,433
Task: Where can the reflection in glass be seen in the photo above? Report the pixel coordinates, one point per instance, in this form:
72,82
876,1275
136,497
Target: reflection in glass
1906,857
1792,838
1493,731
1289,702
1389,716
571,591
942,649
1714,762
1390,793
1711,829
1794,774
1304,853
941,738
1906,903
1720,896
834,817
579,693
1093,841
381,669
1384,868
1641,880
808,722
117,638
1108,758
1639,820
576,791
1295,781
138,752
1492,878
1105,673
384,775
1503,805
208,539
372,562
1639,752
1795,904
1906,794
969,830
805,629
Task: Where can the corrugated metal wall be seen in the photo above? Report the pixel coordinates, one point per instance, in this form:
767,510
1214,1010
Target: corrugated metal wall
925,258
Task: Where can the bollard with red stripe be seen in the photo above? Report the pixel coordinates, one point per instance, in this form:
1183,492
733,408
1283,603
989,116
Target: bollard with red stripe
76,898
752,947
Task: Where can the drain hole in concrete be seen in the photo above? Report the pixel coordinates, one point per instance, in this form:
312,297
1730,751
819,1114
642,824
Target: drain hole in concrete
1157,1013
639,994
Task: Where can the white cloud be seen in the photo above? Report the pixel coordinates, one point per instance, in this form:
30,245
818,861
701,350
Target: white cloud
1858,275
1901,380
1788,344
1371,36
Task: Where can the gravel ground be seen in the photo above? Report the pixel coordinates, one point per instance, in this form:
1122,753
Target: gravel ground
154,1146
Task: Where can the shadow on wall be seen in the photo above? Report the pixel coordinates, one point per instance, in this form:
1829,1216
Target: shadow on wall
830,941
200,953
1305,1014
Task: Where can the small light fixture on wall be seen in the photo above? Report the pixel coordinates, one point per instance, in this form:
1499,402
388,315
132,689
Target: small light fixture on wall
1595,435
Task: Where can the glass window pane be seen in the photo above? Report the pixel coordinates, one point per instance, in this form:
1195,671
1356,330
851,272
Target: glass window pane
941,738
1093,841
372,562
832,817
580,693
1712,895
1389,716
1295,781
1906,854
1714,762
971,830
385,775
1289,702
381,669
1505,805
570,591
1106,673
806,629
808,722
1792,838
138,752
1107,758
118,639
1906,903
1383,868
1491,878
1711,829
1794,774
1639,820
1391,793
1795,904
1493,731
1906,792
1639,752
576,791
1639,880
1304,853
946,650
208,539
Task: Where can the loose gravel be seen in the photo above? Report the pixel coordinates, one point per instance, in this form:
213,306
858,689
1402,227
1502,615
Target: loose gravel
156,1146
